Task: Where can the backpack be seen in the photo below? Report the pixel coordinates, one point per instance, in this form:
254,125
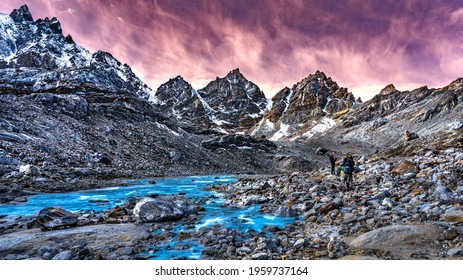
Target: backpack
348,167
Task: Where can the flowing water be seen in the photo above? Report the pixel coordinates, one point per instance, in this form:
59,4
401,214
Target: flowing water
241,219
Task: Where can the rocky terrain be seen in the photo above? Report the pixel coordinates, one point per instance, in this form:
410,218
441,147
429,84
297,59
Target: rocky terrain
77,120
73,120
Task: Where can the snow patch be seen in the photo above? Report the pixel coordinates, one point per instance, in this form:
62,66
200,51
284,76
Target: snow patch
282,132
8,46
288,98
322,126
326,105
269,104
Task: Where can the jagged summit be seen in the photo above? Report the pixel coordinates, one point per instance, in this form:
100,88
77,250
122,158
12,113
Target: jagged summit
296,111
388,89
55,63
235,74
22,14
225,105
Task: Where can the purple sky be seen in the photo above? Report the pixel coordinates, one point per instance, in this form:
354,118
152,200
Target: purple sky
363,45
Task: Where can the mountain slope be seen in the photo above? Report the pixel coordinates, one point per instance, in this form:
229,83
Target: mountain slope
227,105
35,56
305,109
382,122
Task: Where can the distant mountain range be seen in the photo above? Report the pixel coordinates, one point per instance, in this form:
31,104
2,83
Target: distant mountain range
49,74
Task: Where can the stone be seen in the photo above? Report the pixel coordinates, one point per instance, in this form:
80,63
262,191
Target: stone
285,211
401,240
29,170
453,216
53,218
455,251
124,251
454,125
243,250
47,256
328,207
299,243
339,201
163,208
410,135
349,217
441,193
260,256
183,235
65,255
405,167
253,200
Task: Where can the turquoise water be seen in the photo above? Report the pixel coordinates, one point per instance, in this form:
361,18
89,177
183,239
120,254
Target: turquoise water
241,219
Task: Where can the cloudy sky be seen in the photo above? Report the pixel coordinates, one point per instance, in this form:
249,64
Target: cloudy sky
363,45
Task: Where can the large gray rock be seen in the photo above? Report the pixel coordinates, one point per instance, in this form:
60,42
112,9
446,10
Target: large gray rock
65,255
162,209
400,240
453,216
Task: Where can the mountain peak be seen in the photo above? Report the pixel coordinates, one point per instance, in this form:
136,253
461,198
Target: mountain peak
22,14
235,74
320,74
388,89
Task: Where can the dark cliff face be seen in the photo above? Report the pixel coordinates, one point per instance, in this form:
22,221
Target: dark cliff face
298,109
35,56
228,104
235,100
180,102
313,97
68,111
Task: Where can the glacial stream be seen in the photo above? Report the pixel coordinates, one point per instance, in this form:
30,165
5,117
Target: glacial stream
241,219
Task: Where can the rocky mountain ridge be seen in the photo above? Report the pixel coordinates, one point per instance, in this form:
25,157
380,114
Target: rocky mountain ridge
63,78
227,105
305,109
71,119
35,56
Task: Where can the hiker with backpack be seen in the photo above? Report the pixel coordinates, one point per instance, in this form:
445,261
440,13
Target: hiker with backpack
332,162
348,165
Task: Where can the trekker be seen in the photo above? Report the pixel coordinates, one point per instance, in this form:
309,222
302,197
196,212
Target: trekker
333,162
348,165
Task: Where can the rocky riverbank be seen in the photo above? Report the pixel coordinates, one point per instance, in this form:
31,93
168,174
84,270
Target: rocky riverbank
400,208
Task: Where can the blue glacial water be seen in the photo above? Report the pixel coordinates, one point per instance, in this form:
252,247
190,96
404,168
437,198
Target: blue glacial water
241,219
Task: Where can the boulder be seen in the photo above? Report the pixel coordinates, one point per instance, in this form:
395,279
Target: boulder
453,216
410,136
253,200
328,207
65,255
284,211
29,170
53,218
400,240
163,208
321,151
405,167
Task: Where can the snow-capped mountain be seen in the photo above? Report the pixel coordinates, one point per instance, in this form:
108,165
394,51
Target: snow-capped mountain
227,105
35,56
306,109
